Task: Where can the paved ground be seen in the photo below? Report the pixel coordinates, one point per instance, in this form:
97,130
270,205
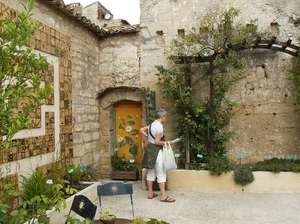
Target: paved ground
196,207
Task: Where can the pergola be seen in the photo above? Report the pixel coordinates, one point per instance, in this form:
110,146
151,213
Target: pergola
285,47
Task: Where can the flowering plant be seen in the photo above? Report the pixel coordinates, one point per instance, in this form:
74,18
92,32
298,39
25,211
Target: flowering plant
107,213
121,164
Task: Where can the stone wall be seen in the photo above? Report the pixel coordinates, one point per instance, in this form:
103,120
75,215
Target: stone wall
264,121
119,56
79,84
84,69
85,83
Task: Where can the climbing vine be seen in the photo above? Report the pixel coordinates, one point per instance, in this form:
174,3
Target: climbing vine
150,104
202,120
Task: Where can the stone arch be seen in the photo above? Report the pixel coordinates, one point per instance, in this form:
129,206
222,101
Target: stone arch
107,99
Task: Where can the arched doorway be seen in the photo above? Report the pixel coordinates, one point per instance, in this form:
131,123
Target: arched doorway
111,100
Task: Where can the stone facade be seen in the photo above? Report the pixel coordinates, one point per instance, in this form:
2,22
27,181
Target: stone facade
264,122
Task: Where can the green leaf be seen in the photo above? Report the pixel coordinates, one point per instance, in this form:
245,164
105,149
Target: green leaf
122,143
134,132
128,140
130,122
133,150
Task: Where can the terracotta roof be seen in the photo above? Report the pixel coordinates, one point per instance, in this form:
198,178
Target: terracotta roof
83,20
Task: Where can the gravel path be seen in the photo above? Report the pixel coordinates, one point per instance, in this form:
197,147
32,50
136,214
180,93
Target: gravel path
194,207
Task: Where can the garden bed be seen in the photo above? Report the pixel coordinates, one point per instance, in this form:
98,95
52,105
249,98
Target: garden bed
202,180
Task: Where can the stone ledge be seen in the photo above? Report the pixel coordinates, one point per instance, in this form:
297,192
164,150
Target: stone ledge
203,180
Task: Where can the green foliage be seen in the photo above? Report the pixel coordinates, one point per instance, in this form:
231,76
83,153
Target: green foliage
73,173
108,213
118,163
88,173
68,188
32,208
277,165
195,166
219,165
74,220
217,32
150,104
79,173
34,185
243,174
20,72
7,195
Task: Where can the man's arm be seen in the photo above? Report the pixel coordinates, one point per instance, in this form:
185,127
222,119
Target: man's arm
144,130
158,140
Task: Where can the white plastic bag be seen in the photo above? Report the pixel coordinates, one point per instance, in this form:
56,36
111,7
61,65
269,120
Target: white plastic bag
169,162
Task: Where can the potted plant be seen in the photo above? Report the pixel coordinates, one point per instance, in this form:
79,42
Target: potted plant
123,170
106,215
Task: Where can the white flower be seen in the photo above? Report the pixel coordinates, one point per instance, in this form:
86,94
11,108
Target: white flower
128,129
120,139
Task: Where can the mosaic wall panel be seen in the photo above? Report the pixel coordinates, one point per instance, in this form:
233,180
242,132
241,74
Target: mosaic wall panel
52,43
13,180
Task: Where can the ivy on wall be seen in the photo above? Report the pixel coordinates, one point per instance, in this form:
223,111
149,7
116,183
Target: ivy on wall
150,104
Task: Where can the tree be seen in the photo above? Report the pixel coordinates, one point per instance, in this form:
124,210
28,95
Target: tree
22,89
206,54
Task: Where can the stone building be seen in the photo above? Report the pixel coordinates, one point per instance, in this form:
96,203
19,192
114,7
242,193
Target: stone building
101,66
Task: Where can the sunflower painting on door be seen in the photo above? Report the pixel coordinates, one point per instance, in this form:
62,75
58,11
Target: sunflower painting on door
127,125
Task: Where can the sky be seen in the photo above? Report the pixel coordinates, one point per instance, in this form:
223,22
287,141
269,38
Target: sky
128,10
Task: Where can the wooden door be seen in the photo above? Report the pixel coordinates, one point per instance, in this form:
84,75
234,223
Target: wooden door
128,140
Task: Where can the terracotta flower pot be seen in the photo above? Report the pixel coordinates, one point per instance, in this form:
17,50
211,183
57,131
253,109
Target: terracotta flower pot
110,220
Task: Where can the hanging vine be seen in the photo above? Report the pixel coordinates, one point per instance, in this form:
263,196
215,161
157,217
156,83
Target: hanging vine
150,104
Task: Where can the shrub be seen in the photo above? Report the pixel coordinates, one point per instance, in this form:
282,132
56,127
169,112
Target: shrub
73,173
88,173
277,165
35,185
243,174
118,163
219,165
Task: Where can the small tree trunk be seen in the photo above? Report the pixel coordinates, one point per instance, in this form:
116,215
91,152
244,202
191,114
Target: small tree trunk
211,108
